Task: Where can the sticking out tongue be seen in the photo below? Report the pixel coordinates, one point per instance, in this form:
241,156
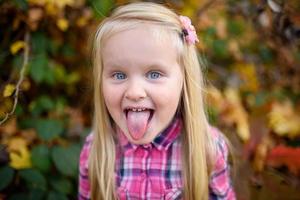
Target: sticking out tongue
137,123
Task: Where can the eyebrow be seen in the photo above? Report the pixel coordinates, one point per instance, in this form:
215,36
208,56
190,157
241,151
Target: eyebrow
159,64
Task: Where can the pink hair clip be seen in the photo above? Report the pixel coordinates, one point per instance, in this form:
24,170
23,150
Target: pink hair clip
188,30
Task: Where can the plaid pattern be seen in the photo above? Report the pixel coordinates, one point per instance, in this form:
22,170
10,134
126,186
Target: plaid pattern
153,171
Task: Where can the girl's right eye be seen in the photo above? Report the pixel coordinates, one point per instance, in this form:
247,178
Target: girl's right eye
119,76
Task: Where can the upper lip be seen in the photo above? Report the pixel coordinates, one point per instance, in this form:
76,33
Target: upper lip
137,108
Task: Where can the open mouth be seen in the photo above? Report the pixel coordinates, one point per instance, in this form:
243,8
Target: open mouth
126,110
137,120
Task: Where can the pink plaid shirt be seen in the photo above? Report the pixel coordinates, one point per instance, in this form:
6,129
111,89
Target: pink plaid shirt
153,171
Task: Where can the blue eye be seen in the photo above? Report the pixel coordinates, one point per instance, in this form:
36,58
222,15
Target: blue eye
153,75
119,76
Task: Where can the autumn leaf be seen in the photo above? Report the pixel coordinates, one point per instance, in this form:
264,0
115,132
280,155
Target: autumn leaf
285,156
236,114
247,73
37,2
17,46
20,159
261,153
62,3
62,24
82,21
231,110
9,90
19,153
215,98
15,143
284,120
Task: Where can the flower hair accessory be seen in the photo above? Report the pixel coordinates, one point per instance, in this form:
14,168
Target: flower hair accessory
188,30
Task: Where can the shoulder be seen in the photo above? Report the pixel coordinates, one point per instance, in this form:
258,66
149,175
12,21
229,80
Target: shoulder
220,181
85,151
84,185
220,141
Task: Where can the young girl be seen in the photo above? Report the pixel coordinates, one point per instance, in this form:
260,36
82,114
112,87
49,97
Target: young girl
151,138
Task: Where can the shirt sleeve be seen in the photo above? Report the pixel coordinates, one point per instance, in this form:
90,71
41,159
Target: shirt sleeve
84,185
220,182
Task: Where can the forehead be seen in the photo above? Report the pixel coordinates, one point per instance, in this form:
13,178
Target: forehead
142,44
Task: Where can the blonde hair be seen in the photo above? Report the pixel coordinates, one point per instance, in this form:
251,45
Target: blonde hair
198,148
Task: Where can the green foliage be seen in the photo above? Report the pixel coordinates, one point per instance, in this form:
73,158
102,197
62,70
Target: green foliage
66,159
40,158
33,178
101,8
6,176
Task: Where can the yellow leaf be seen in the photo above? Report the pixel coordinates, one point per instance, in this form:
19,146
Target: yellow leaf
15,143
82,21
20,159
37,2
237,114
215,98
284,120
62,3
51,9
247,73
62,24
9,90
16,46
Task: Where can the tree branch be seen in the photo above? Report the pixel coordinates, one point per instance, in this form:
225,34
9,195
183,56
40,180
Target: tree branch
22,72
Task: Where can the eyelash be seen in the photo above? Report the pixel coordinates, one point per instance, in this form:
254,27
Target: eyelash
153,72
115,76
122,76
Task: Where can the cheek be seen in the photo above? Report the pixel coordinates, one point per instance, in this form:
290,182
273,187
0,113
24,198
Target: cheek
110,95
168,97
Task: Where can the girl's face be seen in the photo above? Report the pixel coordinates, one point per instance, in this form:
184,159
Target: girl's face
142,82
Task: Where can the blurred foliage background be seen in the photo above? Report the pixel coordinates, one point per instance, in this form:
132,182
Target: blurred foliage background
250,53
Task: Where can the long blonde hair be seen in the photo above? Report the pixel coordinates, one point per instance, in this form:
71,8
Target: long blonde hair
198,148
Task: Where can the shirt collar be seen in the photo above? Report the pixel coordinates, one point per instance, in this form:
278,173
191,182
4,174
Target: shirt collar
161,142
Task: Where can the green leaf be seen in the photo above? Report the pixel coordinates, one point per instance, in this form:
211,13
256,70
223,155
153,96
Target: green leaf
66,159
48,129
101,8
33,178
40,158
38,68
49,76
220,48
43,103
236,27
17,62
6,176
40,43
62,185
36,194
68,51
22,4
19,110
60,105
265,54
56,196
72,78
59,72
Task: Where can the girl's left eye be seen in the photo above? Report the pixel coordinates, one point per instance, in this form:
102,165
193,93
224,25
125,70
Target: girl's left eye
119,76
153,75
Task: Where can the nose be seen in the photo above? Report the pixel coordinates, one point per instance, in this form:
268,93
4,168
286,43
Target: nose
135,91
